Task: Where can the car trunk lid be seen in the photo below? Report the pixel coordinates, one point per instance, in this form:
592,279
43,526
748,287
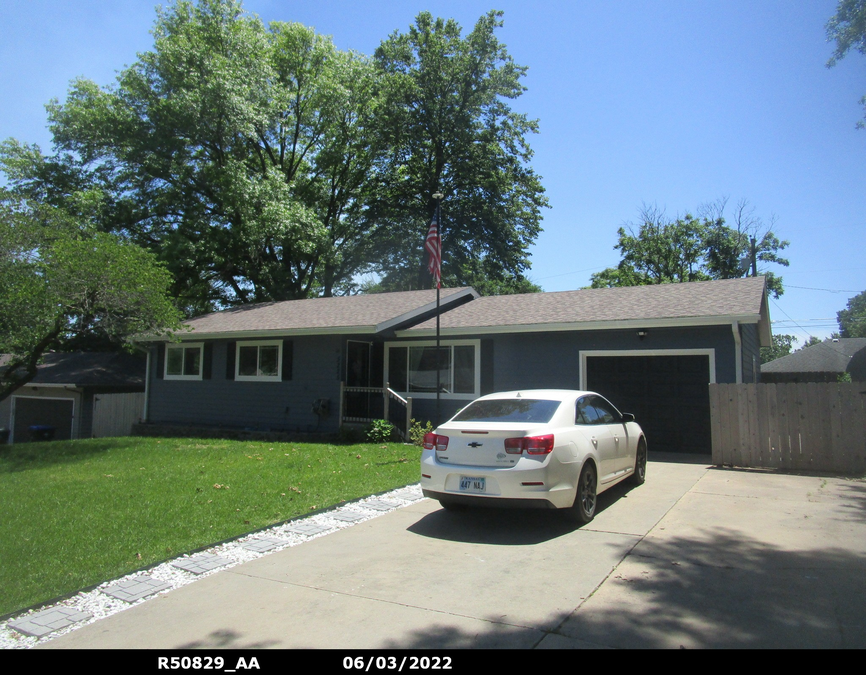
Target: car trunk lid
482,443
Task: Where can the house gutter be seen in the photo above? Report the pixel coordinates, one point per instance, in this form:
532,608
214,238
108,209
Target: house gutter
738,350
621,324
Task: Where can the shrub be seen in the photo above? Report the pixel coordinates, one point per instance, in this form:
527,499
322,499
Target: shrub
417,431
380,431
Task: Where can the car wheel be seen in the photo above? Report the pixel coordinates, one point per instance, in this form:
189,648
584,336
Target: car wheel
586,497
639,475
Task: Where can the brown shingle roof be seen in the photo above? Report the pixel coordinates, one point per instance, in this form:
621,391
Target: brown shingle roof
91,369
353,313
687,303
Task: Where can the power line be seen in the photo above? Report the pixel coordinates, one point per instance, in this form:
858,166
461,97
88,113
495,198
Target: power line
829,290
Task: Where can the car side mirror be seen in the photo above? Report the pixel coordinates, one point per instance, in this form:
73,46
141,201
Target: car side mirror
627,417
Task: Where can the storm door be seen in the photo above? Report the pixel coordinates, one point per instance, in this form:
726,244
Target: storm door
360,404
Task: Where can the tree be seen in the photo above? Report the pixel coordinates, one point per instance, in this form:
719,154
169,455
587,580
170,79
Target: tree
62,282
812,341
782,346
848,29
694,248
450,130
261,163
852,320
234,150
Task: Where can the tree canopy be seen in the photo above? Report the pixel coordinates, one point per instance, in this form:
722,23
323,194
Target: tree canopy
261,163
63,282
659,250
847,28
450,130
782,346
852,319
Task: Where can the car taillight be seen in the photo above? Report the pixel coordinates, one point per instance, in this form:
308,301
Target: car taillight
432,440
538,445
514,445
534,445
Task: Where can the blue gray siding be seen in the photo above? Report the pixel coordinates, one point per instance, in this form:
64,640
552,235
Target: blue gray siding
508,361
275,406
751,353
552,360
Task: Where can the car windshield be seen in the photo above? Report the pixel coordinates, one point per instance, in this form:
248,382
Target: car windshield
508,410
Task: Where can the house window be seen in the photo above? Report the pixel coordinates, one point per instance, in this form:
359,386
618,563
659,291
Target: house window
412,369
184,361
259,361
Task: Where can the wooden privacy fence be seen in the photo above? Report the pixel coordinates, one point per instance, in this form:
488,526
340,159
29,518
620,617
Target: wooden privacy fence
114,414
819,427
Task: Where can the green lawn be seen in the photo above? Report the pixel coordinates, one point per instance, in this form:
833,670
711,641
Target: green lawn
76,513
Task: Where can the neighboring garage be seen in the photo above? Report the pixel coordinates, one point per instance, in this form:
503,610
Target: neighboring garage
70,397
668,394
57,413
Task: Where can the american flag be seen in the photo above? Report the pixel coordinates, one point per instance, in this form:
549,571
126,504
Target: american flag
433,246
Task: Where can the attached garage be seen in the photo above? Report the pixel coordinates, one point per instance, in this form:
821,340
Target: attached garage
652,350
666,390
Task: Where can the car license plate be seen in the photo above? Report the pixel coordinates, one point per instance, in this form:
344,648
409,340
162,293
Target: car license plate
473,484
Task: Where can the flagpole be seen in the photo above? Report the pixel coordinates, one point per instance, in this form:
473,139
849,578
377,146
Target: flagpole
438,197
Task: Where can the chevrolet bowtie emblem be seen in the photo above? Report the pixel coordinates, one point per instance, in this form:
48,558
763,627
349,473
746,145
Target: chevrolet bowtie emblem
475,444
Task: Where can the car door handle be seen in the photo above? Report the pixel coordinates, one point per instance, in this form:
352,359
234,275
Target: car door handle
595,441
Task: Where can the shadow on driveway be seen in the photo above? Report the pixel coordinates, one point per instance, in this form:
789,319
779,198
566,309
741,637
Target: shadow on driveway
671,595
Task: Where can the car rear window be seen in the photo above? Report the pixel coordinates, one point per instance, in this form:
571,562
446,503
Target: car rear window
508,410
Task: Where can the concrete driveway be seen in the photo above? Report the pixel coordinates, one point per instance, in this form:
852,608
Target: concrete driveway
696,557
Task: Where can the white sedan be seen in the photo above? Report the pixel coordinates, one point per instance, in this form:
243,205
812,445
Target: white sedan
545,448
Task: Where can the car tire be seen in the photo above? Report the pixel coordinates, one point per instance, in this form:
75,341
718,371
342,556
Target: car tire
638,476
585,496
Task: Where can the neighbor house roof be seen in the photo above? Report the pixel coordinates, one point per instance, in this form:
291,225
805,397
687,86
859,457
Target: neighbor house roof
830,356
372,313
90,369
684,304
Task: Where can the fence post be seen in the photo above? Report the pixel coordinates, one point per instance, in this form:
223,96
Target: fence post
342,396
387,398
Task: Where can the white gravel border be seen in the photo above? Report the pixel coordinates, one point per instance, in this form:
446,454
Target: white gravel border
100,605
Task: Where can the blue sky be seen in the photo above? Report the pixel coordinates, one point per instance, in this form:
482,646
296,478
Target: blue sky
668,102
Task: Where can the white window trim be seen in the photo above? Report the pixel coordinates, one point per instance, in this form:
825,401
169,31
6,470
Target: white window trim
584,354
184,345
259,378
432,343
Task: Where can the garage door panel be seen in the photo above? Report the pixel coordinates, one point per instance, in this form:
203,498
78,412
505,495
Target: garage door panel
669,396
43,411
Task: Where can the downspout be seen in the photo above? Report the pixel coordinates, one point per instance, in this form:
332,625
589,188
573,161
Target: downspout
144,412
738,350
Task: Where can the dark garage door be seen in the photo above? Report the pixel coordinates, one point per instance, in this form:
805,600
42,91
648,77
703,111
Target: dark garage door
669,396
43,411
